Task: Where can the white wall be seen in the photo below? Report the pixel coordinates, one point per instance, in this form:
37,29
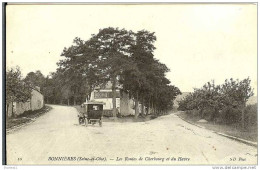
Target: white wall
125,104
108,101
36,102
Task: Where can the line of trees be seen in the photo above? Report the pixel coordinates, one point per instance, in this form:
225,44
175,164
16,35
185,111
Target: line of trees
226,102
124,58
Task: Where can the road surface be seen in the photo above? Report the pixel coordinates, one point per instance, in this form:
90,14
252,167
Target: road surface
56,138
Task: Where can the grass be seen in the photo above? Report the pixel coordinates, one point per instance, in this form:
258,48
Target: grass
233,129
26,117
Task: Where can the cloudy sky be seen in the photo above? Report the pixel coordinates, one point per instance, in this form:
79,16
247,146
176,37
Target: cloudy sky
198,42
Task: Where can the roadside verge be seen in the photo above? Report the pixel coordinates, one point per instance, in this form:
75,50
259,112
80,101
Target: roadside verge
251,143
13,124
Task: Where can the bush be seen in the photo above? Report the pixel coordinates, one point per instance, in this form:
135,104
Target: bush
251,115
193,113
221,103
207,114
230,115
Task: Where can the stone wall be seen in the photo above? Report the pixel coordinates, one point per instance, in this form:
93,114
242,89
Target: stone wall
36,102
20,108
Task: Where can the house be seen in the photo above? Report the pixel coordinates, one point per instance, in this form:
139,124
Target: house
124,104
34,103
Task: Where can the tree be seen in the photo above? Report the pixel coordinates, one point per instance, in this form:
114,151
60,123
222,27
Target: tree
145,80
121,57
112,45
35,79
80,71
229,99
135,78
142,56
48,87
237,94
16,88
53,88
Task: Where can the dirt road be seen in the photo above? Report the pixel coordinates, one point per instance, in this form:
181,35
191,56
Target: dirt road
56,138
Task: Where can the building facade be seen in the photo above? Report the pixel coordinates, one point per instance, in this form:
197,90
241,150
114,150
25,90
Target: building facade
124,104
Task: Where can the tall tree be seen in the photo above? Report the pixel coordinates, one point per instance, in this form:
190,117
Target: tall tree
237,94
121,57
16,89
35,79
48,87
146,80
80,67
112,45
135,79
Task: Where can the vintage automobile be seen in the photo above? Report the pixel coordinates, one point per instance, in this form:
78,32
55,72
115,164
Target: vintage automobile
92,113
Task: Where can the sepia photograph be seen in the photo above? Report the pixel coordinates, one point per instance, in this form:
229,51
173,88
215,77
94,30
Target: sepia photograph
130,84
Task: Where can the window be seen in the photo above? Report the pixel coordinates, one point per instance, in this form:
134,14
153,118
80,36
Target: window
110,95
100,95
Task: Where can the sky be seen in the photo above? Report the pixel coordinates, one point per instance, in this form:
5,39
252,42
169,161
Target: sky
198,42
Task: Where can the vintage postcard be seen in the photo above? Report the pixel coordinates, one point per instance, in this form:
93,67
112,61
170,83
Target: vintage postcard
131,84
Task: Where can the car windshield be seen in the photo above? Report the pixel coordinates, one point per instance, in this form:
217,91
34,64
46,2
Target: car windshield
94,107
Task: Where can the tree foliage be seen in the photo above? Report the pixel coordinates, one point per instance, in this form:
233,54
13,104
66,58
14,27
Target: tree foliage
226,101
122,57
16,88
35,79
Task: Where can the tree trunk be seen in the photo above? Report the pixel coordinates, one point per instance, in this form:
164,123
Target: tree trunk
60,101
68,101
87,97
31,103
149,109
114,95
74,101
142,109
213,117
152,108
202,113
7,108
89,94
243,116
12,109
136,106
149,105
